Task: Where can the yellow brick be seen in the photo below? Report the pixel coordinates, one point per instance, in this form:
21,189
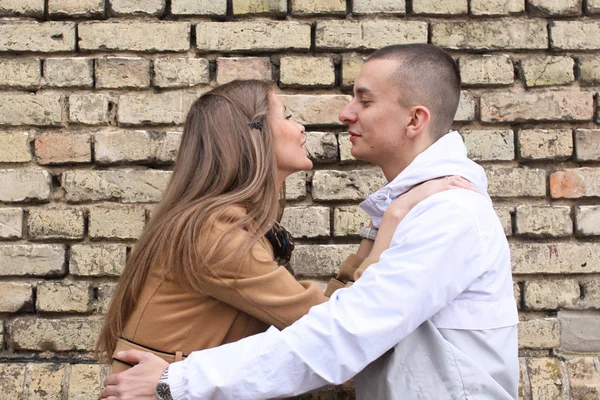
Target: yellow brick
490,144
89,108
84,382
351,65
97,259
307,71
59,334
315,109
122,72
295,186
241,7
42,109
307,222
116,222
539,333
135,35
63,296
12,379
347,220
545,378
545,144
199,7
46,381
310,7
136,7
345,148
320,260
378,6
180,72
493,34
126,185
232,68
30,8
486,70
76,8
20,73
444,7
561,8
575,35
14,147
68,72
368,34
25,184
497,7
11,223
551,295
16,297
246,35
504,214
40,37
547,71
55,223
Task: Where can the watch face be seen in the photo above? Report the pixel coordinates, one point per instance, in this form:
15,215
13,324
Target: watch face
163,391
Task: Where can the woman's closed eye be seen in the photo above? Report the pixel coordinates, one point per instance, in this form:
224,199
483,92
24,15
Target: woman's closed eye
287,113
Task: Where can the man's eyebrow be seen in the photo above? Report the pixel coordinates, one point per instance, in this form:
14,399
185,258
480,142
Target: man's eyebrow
362,90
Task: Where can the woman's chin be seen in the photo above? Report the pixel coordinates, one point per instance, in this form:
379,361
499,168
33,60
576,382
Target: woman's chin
307,166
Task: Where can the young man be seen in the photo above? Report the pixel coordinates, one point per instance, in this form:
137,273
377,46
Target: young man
441,296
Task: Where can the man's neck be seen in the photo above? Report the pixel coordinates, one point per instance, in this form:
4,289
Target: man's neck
394,167
392,171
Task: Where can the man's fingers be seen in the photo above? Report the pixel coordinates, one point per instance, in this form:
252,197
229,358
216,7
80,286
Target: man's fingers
109,391
133,356
111,380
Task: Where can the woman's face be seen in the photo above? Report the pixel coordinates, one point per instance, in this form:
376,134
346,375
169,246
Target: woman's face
288,139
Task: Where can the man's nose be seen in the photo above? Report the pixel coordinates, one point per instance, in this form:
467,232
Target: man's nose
347,115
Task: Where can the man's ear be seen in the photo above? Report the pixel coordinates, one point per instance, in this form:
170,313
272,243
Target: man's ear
419,122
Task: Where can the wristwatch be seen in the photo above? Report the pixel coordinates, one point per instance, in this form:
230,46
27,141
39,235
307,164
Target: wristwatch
368,233
163,390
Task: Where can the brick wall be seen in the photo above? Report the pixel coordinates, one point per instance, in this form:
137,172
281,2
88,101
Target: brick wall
93,94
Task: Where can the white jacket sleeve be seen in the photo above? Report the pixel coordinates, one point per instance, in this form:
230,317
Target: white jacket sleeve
436,253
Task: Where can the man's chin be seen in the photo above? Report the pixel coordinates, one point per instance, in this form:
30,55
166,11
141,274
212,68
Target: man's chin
359,156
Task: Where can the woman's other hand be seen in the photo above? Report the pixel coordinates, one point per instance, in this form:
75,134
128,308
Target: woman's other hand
398,209
403,204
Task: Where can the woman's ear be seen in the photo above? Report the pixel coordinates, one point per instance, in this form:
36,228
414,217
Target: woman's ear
419,122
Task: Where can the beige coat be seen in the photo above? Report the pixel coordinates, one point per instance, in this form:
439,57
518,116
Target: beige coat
243,297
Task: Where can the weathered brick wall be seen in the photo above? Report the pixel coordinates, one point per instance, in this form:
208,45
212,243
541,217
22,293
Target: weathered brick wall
93,94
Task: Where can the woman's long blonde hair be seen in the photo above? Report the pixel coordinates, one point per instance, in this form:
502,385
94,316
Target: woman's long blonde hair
222,161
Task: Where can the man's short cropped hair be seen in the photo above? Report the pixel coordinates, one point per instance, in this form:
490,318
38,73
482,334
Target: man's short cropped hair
426,76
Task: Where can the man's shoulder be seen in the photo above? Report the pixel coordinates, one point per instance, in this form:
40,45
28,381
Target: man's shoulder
458,201
460,210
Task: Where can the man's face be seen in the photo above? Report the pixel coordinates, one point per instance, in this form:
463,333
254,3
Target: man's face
376,121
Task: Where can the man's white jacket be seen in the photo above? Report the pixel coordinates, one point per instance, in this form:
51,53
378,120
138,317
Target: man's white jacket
441,296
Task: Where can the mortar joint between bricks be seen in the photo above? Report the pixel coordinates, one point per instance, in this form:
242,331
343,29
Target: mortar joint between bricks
46,10
167,13
229,10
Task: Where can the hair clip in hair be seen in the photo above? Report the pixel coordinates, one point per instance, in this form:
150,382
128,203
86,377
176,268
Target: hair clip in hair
255,125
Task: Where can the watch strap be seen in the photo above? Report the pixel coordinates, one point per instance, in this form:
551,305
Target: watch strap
367,232
163,390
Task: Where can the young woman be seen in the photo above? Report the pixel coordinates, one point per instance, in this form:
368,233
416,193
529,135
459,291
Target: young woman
206,270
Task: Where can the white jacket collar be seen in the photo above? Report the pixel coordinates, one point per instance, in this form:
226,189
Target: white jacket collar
447,156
